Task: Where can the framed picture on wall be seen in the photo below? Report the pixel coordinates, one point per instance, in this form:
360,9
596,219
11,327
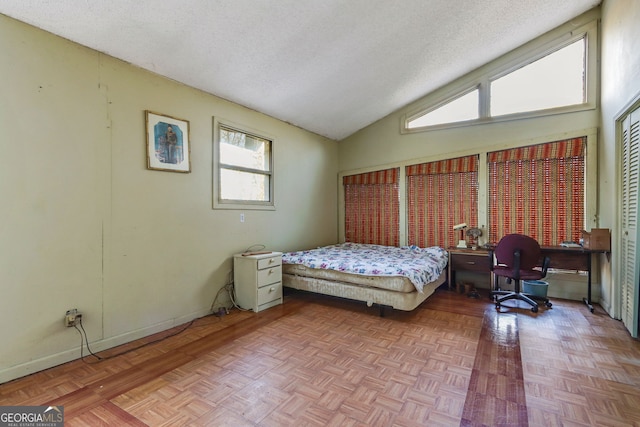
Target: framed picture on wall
168,147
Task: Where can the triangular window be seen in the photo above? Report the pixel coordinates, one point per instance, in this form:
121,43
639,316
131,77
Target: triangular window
556,80
554,77
459,109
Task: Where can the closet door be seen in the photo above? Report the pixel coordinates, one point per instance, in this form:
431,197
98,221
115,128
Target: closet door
630,254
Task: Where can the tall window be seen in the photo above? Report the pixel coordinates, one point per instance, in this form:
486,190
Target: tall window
440,195
245,168
538,191
372,207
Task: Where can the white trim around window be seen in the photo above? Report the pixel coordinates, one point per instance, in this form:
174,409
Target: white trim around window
587,27
267,173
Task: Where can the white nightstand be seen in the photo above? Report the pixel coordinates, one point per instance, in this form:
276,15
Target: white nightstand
258,280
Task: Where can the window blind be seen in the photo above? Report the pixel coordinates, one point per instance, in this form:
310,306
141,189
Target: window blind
538,191
440,195
372,207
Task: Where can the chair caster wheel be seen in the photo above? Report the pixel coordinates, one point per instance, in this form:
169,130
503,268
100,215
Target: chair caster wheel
534,309
548,304
498,306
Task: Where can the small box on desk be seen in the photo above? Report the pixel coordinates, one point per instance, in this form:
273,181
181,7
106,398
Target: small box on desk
597,238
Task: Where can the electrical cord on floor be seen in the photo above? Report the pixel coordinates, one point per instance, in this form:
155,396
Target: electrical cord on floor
86,339
212,309
230,288
83,336
225,287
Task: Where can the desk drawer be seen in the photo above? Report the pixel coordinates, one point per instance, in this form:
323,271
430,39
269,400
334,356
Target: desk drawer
470,262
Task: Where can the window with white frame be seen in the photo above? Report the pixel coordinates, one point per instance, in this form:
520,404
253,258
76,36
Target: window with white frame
556,80
460,109
244,169
556,77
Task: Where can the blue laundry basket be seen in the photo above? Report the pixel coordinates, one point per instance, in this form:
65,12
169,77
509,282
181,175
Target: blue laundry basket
535,287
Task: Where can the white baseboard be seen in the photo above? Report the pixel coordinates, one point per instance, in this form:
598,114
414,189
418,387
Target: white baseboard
32,366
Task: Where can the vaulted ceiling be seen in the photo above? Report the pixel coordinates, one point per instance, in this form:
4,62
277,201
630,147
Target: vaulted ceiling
329,66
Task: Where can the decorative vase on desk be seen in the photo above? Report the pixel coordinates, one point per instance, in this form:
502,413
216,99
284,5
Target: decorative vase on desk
473,234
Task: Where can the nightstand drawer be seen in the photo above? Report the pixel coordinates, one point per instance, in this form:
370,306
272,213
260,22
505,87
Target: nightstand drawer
269,293
474,261
470,262
269,262
269,275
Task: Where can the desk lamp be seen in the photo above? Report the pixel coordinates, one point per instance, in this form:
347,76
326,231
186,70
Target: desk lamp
462,243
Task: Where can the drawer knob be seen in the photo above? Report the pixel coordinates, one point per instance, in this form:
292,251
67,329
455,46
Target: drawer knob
271,289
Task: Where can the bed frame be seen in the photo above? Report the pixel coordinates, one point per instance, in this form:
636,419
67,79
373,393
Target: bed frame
405,301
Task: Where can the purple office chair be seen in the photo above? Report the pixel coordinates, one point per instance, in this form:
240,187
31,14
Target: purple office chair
517,258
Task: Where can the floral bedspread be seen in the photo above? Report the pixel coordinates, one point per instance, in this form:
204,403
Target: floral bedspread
420,265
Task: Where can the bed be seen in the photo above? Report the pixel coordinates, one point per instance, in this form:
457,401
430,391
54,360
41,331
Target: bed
398,277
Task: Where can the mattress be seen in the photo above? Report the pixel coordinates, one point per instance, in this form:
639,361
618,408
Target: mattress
384,267
391,283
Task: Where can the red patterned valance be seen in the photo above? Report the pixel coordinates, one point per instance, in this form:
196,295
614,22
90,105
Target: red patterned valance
387,176
552,150
457,165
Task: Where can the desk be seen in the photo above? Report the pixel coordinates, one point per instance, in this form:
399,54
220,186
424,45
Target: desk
562,258
573,259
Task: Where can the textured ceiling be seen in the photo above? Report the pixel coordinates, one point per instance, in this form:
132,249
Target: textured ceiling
328,66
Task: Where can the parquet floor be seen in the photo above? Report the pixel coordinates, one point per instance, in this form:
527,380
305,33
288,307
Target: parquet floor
320,361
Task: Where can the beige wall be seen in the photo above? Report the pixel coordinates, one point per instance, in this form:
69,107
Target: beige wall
382,145
620,71
85,225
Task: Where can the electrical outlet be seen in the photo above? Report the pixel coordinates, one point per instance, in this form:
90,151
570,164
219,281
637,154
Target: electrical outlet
72,317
